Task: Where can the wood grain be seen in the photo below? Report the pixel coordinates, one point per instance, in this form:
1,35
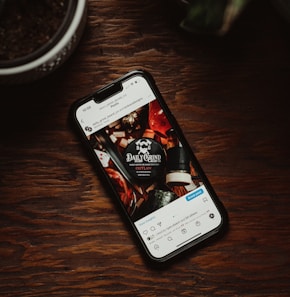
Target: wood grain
62,235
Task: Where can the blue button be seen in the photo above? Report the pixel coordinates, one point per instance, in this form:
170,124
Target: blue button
194,194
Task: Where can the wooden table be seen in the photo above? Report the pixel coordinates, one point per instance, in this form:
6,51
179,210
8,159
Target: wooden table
61,234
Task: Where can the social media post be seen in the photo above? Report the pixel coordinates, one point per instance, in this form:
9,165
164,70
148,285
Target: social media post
179,223
145,160
94,116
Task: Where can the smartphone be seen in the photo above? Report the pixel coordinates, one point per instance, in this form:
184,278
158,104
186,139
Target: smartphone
137,145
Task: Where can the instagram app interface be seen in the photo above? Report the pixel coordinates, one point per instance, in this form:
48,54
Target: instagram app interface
149,167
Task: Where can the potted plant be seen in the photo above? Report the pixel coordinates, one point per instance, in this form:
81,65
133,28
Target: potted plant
37,36
209,16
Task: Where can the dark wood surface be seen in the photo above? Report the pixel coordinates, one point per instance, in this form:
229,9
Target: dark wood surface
61,234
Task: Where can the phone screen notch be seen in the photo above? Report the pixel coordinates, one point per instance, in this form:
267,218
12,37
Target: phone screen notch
107,92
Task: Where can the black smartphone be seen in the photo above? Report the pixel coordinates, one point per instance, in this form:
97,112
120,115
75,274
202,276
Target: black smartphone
141,151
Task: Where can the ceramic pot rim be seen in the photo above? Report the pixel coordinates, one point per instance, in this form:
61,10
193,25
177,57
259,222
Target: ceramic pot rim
60,44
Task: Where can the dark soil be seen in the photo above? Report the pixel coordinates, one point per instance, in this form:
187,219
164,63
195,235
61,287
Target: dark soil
26,25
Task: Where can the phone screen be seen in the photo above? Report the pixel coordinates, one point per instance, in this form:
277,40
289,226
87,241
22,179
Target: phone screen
151,170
